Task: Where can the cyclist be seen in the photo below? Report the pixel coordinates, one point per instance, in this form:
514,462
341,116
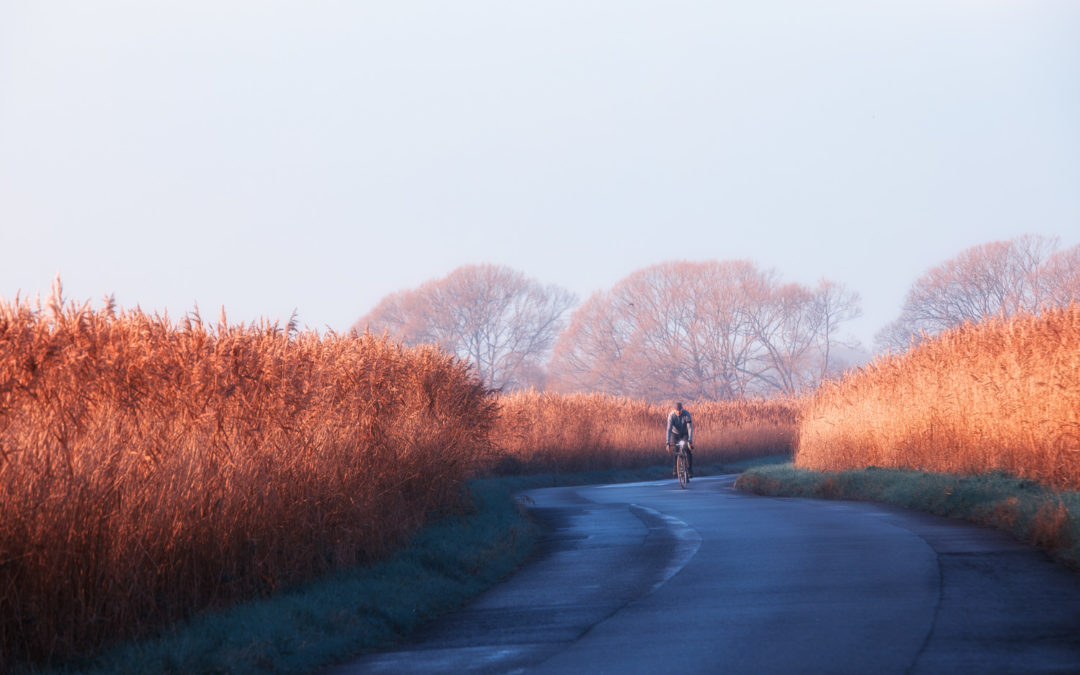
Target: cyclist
681,428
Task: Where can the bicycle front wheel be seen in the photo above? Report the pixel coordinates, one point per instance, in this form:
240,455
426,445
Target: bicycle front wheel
683,477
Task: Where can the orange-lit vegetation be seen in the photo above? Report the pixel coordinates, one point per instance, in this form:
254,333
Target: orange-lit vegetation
149,469
578,432
1002,395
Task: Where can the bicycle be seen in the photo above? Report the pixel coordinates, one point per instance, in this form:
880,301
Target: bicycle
681,461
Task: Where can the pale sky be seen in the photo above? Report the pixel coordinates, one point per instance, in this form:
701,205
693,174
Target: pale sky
318,155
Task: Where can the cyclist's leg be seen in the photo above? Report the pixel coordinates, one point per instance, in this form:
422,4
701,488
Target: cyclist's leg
689,461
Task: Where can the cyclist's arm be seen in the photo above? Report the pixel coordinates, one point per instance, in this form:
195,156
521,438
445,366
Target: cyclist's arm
690,433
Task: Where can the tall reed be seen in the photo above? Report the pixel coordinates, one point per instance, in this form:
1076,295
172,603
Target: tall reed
149,469
1002,395
545,432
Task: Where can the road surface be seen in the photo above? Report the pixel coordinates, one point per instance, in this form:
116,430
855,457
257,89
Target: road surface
649,578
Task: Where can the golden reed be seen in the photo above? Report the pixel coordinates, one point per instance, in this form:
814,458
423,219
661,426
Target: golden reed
542,432
1001,395
148,470
151,469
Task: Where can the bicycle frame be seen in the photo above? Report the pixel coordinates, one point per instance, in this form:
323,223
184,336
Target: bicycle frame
681,464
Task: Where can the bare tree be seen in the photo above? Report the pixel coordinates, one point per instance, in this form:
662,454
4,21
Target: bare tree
590,350
723,347
782,327
701,330
833,303
991,279
1056,282
797,330
494,317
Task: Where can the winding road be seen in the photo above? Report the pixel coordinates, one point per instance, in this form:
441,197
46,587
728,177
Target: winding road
648,578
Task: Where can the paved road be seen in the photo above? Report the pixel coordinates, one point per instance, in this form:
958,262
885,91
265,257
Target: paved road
648,578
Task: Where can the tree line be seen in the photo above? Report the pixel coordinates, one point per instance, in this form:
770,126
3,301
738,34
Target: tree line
714,330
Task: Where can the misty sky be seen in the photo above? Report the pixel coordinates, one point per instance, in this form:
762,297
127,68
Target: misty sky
318,155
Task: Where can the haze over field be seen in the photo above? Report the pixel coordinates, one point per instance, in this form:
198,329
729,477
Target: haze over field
272,155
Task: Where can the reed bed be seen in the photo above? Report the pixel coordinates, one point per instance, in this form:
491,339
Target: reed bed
998,396
151,469
546,432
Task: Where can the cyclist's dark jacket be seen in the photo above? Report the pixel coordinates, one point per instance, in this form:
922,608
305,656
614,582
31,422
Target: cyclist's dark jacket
679,426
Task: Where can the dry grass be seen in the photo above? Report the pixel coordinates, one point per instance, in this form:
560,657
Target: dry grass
149,469
542,432
998,396
152,469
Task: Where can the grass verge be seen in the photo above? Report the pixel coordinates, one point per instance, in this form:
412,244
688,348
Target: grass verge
368,608
323,622
1047,518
